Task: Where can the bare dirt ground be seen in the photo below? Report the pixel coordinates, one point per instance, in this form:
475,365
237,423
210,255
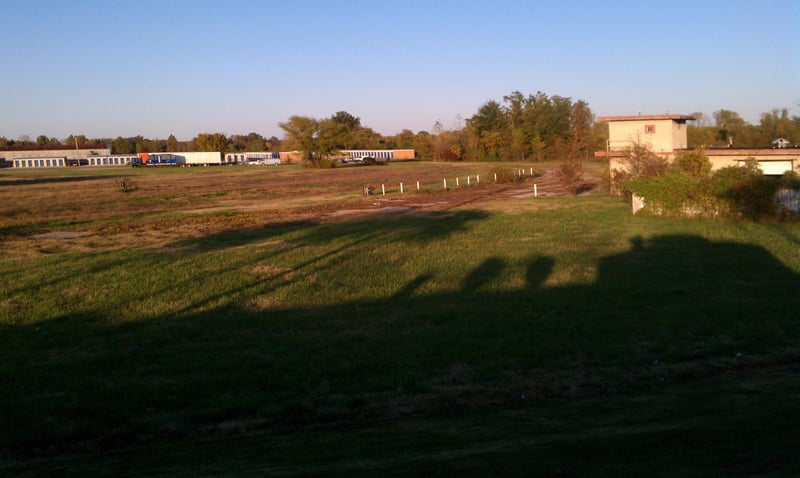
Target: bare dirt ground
114,208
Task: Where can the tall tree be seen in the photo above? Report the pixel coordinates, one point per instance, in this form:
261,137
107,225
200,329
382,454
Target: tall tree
490,117
255,142
79,140
346,119
581,119
172,143
730,125
490,127
302,133
212,142
776,124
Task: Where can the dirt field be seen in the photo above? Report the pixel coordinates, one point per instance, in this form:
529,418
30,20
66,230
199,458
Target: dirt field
116,208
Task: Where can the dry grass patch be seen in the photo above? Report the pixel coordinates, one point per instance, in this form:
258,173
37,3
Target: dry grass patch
271,271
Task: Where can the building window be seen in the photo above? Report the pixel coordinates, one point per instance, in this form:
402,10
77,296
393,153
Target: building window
650,129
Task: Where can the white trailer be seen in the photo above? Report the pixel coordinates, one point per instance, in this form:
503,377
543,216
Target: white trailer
199,158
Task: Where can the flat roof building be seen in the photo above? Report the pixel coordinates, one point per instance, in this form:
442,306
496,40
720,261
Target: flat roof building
665,135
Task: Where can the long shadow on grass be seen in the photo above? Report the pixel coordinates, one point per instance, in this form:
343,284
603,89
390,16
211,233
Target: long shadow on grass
346,239
216,366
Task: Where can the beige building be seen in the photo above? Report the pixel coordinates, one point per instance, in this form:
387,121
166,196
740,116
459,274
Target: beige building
51,157
662,134
666,136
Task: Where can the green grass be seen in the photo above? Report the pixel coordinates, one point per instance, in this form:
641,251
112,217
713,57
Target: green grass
405,345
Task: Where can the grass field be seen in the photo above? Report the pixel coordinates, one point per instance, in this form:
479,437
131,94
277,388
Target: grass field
273,321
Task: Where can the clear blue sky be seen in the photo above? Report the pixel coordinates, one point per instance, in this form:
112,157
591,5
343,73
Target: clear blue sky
111,68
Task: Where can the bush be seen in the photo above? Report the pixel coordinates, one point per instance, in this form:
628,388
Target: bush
745,191
790,180
324,163
734,191
675,193
570,175
641,162
503,174
694,163
613,181
126,185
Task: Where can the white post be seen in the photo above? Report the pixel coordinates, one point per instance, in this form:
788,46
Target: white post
478,179
417,185
445,182
456,182
401,188
495,177
535,191
531,172
468,181
383,189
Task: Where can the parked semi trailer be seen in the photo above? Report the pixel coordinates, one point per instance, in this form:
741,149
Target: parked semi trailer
199,158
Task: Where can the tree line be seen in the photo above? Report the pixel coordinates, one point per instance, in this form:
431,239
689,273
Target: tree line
726,128
534,127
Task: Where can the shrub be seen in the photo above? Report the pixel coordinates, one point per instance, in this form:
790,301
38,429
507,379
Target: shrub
734,191
641,162
745,191
694,163
675,193
323,163
126,185
613,181
503,174
570,175
790,180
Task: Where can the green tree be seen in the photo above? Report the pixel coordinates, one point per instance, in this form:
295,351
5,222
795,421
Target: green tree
301,132
422,146
80,140
698,136
212,142
315,139
490,117
120,145
537,126
730,126
331,136
346,119
490,128
470,142
776,124
366,138
335,134
172,143
273,144
402,140
255,142
515,106
583,144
